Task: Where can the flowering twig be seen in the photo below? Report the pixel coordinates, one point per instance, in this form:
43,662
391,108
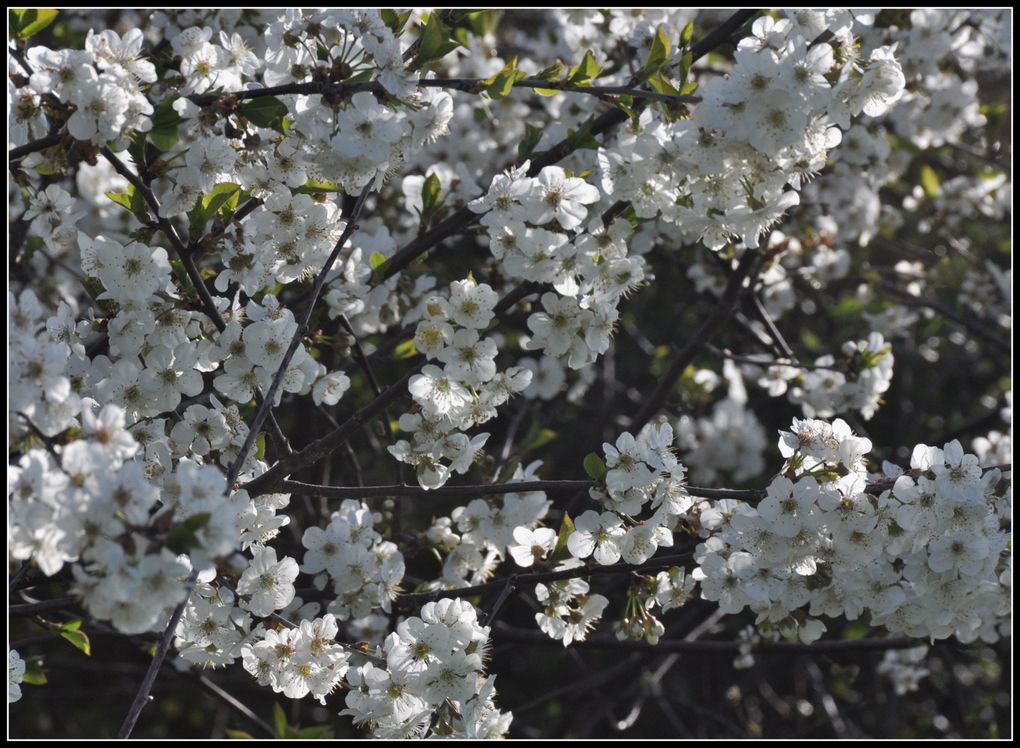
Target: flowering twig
295,341
710,647
36,145
494,489
659,562
157,660
179,247
978,327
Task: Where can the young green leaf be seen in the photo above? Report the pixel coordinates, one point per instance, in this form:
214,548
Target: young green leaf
79,639
660,50
595,467
406,349
28,23
279,720
265,111
529,141
929,182
165,121
34,674
584,71
499,85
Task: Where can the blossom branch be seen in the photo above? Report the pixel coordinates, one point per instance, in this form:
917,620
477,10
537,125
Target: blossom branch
466,85
14,154
710,647
295,341
180,249
495,489
142,697
660,562
978,327
604,123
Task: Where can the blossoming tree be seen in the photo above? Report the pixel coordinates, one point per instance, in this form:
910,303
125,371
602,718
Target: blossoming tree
361,359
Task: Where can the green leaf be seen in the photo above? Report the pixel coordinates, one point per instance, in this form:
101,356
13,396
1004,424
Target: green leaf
537,437
377,259
584,71
239,735
685,66
529,141
131,201
847,306
595,467
34,674
28,23
222,196
661,84
279,720
394,21
78,639
406,349
260,446
313,186
929,182
566,529
181,537
436,42
687,35
659,53
265,111
431,198
499,85
550,73
165,121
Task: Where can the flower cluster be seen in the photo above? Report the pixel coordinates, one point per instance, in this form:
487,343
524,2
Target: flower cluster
723,173
103,83
568,611
922,557
464,392
433,679
641,474
476,537
365,569
526,219
298,661
856,381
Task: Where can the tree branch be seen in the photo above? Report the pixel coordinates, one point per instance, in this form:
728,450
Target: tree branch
660,562
295,341
142,697
708,330
710,647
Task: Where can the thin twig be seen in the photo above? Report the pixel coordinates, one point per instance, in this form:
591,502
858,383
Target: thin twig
708,330
323,446
295,341
658,562
46,141
493,489
978,327
26,610
711,647
237,704
142,697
